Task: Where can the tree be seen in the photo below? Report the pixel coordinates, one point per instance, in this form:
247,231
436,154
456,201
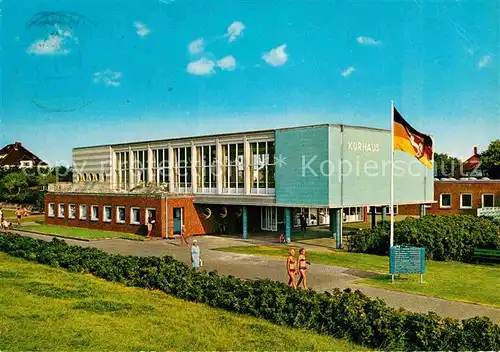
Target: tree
14,186
445,165
490,159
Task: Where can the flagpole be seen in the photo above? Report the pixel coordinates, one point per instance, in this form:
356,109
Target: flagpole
391,241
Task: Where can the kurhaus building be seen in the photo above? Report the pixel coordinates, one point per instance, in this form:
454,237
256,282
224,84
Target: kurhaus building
238,183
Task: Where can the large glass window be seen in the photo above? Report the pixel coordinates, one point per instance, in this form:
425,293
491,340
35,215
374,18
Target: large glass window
140,166
160,166
206,167
182,169
232,168
121,169
262,167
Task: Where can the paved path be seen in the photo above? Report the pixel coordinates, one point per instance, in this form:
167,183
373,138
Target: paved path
321,277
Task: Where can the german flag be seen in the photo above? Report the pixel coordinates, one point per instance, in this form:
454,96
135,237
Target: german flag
409,140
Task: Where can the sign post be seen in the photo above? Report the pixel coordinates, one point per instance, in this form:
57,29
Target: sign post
407,260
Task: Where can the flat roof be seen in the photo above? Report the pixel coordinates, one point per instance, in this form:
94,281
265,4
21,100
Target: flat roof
228,134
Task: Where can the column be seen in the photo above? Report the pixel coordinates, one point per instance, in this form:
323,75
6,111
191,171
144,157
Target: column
384,213
194,171
248,170
131,179
374,217
331,215
171,163
422,210
150,165
244,218
336,226
219,167
288,225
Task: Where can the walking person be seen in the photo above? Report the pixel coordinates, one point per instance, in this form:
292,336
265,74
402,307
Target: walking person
290,268
195,255
19,214
303,223
149,224
302,268
183,236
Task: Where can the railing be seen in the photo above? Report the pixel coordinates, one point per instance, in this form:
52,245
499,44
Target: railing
490,211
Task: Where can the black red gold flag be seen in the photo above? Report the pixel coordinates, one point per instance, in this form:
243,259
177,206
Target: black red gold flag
409,140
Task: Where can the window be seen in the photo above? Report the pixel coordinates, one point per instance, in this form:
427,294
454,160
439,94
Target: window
107,213
445,200
160,166
488,200
60,211
465,201
120,214
263,167
78,178
95,213
52,209
26,163
96,177
83,212
182,169
232,168
140,170
151,212
378,210
84,177
206,167
135,216
72,211
104,176
122,170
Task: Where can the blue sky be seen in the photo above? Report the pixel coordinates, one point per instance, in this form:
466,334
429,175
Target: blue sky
77,73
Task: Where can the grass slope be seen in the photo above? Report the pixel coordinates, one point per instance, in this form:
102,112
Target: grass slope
80,233
449,280
42,308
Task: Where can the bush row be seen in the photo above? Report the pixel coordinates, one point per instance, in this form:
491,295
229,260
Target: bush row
445,237
346,314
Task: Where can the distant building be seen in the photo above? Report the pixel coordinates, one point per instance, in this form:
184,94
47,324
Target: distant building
471,167
15,155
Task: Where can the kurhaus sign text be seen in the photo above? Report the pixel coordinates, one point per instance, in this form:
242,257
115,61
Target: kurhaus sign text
363,147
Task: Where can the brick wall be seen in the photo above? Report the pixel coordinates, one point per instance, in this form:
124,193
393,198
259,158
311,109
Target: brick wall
456,188
191,217
107,200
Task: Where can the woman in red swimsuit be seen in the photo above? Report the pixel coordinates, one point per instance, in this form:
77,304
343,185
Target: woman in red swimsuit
290,267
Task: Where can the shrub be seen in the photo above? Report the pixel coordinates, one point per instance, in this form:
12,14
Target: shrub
343,314
446,237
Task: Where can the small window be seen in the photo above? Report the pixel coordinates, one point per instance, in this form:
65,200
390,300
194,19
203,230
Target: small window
104,176
107,213
52,209
120,214
78,178
91,177
135,216
445,200
60,210
95,213
488,201
466,201
84,177
96,177
83,212
72,211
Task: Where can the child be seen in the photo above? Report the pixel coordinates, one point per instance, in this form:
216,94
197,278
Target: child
282,238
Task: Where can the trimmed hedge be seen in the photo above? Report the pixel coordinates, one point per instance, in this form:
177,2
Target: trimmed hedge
346,314
445,237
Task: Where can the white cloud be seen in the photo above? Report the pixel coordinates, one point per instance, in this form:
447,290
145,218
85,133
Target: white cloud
196,46
108,78
227,63
166,1
368,41
235,30
53,45
201,67
141,28
347,72
277,56
485,61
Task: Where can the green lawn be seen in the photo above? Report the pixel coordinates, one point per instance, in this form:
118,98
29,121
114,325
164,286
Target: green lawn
43,308
10,215
80,233
448,280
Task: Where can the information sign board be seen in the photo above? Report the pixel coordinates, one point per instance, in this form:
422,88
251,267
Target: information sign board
407,260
